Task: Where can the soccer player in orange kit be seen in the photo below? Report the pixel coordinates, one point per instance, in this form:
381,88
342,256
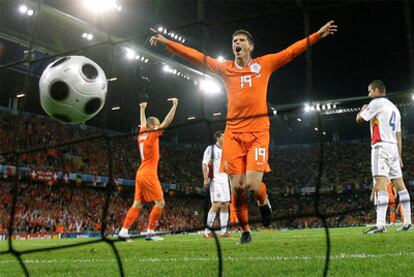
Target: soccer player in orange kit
147,185
246,138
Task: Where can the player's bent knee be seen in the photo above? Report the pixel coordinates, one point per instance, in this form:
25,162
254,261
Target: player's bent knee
160,203
137,205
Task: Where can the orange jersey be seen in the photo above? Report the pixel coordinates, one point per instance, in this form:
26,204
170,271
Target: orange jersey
148,144
246,86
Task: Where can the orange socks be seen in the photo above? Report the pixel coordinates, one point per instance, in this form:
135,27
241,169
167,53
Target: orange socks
154,217
130,217
239,199
261,195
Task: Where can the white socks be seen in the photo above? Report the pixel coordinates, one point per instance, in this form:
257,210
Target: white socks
406,206
210,221
382,205
224,221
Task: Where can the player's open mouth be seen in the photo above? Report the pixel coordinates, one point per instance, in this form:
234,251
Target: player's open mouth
238,49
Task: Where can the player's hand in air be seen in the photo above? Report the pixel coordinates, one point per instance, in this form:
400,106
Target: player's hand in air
328,29
157,38
143,105
174,101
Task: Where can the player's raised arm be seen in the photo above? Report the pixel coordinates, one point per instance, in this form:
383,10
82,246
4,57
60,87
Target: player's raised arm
283,57
143,118
187,53
170,116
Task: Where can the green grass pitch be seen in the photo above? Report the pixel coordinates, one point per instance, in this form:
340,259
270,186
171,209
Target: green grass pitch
271,253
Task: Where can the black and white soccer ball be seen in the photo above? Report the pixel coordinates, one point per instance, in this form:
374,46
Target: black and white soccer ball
73,89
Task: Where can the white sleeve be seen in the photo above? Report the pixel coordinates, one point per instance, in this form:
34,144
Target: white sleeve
207,155
398,119
371,111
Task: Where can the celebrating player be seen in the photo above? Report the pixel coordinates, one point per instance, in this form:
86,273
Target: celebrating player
386,153
218,184
147,185
246,138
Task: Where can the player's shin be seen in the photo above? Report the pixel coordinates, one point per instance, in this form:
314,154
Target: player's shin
382,204
239,199
406,206
154,218
130,218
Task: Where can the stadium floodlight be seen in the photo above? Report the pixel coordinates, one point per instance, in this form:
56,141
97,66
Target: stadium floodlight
129,53
191,118
412,97
99,6
30,12
323,107
307,108
23,9
220,59
89,36
324,133
119,8
316,129
165,68
142,59
216,114
299,119
160,29
209,86
84,35
165,31
116,108
334,106
318,107
20,95
183,40
137,57
146,60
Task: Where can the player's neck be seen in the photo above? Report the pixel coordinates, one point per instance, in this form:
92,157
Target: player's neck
243,61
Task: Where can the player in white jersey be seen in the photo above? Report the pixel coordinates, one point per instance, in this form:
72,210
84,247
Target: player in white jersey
218,184
386,153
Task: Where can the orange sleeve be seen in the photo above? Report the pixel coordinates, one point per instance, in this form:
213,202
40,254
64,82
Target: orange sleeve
275,61
195,57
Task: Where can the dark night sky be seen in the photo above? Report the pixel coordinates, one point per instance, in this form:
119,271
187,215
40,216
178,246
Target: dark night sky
371,43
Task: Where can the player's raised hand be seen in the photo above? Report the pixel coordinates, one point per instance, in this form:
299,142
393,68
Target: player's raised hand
156,38
143,105
174,101
328,29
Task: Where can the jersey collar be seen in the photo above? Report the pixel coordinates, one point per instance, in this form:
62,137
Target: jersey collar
241,67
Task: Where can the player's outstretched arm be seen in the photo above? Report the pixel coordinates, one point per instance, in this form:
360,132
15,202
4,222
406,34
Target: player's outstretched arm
187,53
170,116
281,58
142,117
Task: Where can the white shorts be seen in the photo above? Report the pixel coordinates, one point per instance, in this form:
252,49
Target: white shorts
220,191
385,161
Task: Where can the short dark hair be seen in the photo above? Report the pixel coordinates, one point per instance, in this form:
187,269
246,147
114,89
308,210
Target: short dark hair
151,121
246,33
379,85
218,134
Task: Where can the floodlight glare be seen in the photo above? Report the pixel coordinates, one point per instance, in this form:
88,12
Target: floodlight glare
209,86
30,12
100,5
299,119
307,107
220,59
84,35
129,54
22,8
160,29
146,60
137,57
165,68
316,129
89,36
412,97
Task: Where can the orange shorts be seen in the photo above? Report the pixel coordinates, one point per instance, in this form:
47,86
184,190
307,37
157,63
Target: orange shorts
244,151
147,188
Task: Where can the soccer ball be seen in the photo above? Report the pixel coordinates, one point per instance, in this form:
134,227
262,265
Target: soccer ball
73,89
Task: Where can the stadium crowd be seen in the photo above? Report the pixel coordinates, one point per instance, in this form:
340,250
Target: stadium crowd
346,182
